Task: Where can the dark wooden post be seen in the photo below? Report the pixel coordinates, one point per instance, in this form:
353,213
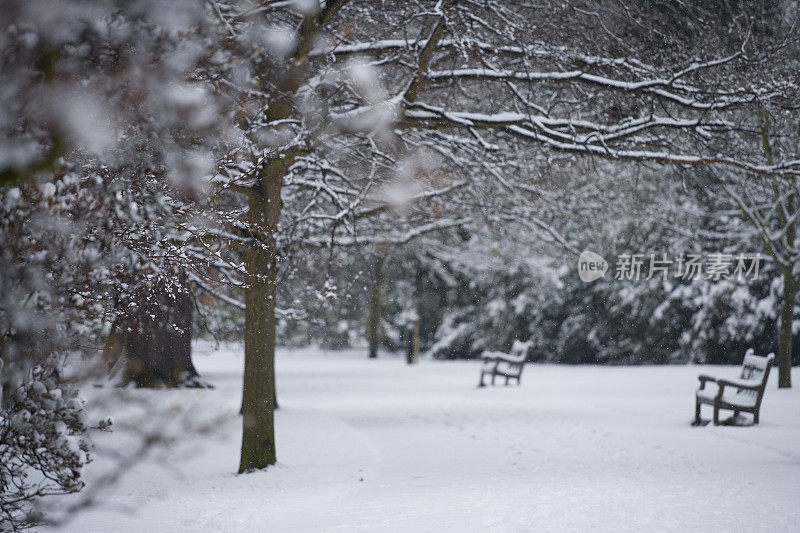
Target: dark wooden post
412,350
374,309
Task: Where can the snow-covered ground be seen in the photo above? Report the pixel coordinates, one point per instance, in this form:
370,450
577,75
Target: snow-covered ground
367,445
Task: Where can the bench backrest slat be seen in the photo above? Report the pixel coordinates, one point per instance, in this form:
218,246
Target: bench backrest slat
754,367
519,350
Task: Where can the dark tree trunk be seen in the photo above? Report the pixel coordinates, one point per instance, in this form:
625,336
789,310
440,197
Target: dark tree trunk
258,395
786,212
784,362
261,259
5,394
274,398
374,309
155,342
5,382
412,346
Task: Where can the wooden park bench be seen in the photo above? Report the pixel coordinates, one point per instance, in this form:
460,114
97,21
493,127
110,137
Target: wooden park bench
507,365
738,395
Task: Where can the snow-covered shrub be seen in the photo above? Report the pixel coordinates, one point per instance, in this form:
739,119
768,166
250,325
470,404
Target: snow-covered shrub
609,321
497,299
42,445
728,317
497,302
98,127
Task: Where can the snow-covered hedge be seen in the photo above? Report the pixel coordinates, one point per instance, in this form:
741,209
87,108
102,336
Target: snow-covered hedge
610,321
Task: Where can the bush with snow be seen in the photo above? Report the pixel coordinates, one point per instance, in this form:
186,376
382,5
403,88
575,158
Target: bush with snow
43,446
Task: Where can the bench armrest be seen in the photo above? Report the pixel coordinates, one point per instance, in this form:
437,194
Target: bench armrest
704,379
489,356
751,384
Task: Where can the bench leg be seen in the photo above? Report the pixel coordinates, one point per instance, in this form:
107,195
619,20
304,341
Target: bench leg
482,384
755,416
697,412
716,415
493,376
506,380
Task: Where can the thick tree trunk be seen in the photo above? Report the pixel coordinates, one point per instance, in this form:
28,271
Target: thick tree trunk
5,394
155,342
784,362
274,398
5,385
258,397
374,309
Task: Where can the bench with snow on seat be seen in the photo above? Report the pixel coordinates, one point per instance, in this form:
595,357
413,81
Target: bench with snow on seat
742,394
506,365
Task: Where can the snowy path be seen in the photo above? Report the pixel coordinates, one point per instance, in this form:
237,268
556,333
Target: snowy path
375,445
